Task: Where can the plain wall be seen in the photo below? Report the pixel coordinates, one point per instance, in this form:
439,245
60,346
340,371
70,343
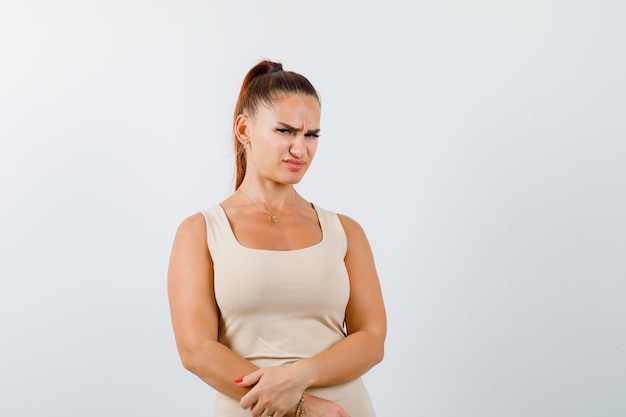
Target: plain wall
480,144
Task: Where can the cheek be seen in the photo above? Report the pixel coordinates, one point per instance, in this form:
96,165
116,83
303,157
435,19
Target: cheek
312,148
278,143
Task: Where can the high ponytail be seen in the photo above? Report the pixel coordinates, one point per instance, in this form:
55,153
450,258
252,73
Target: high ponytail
265,83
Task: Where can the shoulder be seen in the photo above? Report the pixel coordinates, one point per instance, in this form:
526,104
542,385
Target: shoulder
191,233
197,222
351,226
355,235
192,224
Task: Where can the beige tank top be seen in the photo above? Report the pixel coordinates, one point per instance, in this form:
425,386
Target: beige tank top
280,306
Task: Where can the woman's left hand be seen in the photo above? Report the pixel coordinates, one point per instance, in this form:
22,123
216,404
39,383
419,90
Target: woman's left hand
275,391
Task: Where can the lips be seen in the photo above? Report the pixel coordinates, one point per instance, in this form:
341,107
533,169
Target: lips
295,164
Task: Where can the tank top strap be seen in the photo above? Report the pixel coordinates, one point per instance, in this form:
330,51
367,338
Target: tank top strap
332,228
218,230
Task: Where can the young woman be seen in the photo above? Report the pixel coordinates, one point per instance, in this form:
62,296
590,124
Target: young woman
275,302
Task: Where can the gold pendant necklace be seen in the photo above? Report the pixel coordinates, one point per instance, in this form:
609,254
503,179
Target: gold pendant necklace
273,218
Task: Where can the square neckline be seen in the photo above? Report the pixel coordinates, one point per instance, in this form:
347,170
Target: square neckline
231,233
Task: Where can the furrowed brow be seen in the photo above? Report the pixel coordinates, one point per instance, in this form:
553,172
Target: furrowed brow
297,129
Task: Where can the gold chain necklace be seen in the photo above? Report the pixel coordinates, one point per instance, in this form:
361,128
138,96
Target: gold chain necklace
273,217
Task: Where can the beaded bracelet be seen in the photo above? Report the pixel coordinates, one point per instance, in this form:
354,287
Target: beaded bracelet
300,408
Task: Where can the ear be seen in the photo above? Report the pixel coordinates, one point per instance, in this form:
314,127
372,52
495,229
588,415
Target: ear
241,126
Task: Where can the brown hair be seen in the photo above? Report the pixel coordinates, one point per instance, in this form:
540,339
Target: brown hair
265,83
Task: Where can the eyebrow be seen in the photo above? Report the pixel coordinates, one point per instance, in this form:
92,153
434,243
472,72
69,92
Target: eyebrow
296,129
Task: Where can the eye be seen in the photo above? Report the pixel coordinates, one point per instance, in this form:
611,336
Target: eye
283,130
312,135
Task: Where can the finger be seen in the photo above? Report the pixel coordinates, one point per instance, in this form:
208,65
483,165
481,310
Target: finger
250,379
257,410
248,401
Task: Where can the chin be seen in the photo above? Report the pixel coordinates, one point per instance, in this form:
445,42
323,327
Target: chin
292,179
294,182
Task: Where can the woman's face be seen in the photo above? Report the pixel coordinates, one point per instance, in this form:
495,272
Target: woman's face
282,138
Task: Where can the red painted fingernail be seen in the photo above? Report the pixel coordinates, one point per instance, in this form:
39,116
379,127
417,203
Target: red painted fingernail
238,380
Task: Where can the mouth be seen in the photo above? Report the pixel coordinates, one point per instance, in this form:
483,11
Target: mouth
295,164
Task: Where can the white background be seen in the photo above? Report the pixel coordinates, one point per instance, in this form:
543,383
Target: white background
481,145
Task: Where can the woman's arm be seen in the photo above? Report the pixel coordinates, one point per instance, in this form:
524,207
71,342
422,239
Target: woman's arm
194,312
365,321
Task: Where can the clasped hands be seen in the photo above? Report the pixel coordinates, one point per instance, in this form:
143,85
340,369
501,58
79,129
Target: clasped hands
276,391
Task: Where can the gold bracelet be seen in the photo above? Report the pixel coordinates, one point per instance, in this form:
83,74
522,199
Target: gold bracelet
300,408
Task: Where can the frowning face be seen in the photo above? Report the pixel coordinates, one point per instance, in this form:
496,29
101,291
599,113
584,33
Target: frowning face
282,138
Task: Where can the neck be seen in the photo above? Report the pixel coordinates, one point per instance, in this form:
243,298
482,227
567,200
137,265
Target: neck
274,197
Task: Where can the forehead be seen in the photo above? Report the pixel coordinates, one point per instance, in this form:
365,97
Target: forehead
296,107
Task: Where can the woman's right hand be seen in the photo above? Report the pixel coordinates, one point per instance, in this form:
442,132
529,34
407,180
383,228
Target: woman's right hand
319,407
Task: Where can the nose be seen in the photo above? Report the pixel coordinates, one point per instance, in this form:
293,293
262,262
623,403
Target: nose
298,148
